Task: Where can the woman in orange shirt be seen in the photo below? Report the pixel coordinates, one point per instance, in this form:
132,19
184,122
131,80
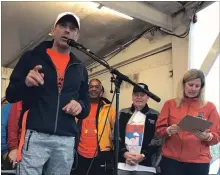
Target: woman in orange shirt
186,153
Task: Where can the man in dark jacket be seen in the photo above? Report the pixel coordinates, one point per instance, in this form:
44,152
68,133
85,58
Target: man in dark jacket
138,146
54,84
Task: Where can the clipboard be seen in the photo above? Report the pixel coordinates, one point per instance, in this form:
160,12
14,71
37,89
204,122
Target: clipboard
190,123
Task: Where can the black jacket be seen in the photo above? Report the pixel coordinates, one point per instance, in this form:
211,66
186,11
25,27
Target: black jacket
45,103
151,143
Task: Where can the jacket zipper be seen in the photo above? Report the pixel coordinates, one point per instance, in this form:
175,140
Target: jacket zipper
181,146
57,112
59,94
29,137
97,128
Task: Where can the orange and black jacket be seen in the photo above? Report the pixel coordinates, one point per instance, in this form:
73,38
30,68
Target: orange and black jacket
104,111
45,103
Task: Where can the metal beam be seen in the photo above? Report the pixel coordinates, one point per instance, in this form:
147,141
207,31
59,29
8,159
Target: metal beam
141,11
133,59
211,57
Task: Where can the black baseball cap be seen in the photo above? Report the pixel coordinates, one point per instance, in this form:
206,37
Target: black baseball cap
137,89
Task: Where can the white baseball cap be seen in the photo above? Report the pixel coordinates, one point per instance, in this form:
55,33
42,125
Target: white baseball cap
70,14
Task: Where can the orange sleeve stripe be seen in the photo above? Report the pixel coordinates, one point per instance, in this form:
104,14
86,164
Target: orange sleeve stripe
23,132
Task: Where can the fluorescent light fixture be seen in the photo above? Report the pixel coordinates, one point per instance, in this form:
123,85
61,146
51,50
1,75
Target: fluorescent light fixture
92,4
106,9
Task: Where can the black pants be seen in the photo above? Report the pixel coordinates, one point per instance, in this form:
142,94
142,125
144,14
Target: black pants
96,168
173,167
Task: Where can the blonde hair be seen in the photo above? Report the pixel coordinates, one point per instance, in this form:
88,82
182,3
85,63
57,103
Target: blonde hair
191,74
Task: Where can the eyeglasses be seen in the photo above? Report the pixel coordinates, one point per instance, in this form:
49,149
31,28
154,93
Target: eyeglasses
94,86
139,94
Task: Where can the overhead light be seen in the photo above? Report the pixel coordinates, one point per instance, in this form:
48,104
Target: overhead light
114,12
106,9
92,4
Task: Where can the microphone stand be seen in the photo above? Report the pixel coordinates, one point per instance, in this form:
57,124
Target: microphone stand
118,80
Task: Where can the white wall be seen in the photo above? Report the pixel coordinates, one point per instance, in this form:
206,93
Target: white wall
203,51
202,54
203,34
5,75
139,47
153,70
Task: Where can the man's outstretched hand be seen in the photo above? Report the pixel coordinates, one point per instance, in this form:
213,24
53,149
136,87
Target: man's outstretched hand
73,108
34,78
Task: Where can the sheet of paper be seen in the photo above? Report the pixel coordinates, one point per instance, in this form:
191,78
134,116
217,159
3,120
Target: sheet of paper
146,168
123,166
139,117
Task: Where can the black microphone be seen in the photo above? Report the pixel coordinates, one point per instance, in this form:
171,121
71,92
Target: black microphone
88,52
73,43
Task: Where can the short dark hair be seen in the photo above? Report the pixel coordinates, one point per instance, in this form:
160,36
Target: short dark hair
95,79
103,89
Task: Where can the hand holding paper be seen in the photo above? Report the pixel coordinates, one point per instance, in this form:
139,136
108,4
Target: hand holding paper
138,158
173,129
204,136
130,157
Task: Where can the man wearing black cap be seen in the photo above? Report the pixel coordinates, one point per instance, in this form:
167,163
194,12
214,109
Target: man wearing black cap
138,146
54,85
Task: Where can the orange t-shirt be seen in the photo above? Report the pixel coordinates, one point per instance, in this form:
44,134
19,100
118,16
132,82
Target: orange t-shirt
88,139
60,61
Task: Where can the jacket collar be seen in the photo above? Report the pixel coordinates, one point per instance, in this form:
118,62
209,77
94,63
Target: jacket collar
104,101
144,110
42,47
